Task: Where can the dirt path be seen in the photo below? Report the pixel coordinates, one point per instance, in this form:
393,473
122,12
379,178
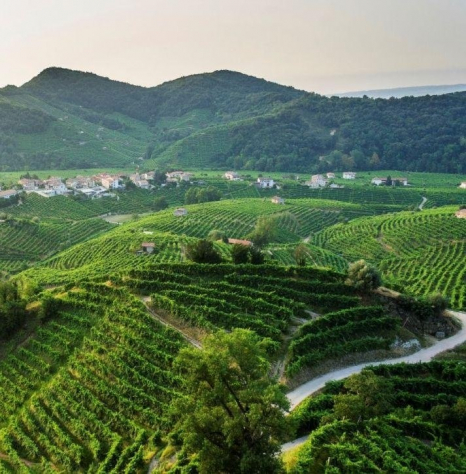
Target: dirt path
424,355
421,206
293,444
160,319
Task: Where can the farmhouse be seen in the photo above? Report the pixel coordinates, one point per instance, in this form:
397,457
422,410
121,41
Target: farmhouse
461,214
463,185
29,184
247,243
349,175
110,183
278,200
331,175
176,176
265,182
56,185
148,176
148,247
231,176
8,193
319,180
181,211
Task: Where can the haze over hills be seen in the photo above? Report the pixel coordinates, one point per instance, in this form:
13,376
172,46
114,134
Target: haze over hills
398,92
65,119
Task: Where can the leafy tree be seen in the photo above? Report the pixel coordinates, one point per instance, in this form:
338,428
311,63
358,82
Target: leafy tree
300,255
240,254
389,181
12,309
363,276
216,234
160,203
257,256
203,251
264,231
232,415
198,195
368,395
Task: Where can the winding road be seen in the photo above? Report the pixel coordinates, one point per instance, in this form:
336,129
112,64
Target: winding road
421,206
424,355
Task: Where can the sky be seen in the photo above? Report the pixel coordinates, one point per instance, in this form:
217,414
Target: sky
317,45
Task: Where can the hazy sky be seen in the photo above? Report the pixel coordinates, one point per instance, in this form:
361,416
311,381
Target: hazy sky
317,45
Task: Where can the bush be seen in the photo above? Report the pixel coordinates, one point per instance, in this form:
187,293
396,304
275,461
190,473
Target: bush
203,251
363,276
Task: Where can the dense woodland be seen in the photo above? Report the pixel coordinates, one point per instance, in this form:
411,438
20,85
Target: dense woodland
224,119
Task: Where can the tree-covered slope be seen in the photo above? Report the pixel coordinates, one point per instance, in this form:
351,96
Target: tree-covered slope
223,119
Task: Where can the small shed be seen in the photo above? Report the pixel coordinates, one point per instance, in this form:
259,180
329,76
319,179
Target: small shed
181,211
278,200
148,247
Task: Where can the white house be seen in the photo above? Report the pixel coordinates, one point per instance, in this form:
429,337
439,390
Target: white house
265,182
8,193
331,175
349,175
181,211
336,186
175,176
231,175
278,200
29,184
110,183
56,185
319,180
463,185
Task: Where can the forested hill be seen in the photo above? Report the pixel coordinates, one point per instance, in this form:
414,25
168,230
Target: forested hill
71,119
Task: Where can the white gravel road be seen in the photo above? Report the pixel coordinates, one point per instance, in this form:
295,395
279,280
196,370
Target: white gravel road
424,355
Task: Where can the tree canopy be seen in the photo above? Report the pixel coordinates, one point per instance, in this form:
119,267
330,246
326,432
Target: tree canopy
232,415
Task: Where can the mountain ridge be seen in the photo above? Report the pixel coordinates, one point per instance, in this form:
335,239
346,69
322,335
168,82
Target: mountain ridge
223,119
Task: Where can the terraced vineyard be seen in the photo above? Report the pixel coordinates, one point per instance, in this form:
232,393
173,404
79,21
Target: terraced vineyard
420,430
105,352
423,252
24,242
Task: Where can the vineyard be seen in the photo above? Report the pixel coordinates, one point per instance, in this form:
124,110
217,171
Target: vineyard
104,352
421,252
421,430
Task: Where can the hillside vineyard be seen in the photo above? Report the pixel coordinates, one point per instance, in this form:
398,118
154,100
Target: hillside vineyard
225,275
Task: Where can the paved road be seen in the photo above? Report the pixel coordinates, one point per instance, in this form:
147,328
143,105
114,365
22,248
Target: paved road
424,355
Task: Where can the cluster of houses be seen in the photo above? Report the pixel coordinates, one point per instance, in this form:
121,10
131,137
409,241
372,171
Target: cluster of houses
178,176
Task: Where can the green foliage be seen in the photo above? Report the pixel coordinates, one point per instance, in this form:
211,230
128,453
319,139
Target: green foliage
363,277
12,310
367,395
198,195
227,396
203,251
160,203
264,231
239,254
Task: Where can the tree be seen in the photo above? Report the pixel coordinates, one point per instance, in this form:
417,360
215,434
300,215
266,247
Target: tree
216,234
160,203
240,254
232,415
389,181
363,276
264,231
203,251
300,255
368,395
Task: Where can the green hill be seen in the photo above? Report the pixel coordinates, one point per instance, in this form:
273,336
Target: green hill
70,119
